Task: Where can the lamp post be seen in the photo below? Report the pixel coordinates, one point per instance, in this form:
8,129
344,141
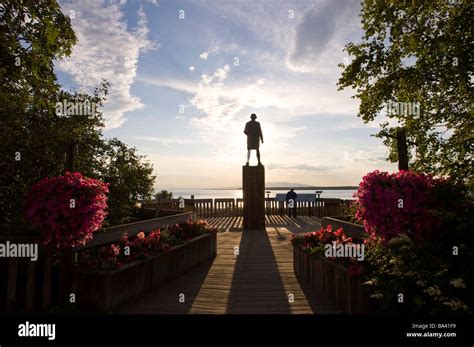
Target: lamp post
268,204
318,205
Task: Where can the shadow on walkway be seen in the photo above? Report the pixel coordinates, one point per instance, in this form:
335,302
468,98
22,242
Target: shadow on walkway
257,286
166,299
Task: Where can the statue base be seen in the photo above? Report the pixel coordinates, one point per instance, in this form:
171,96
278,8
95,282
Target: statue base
253,184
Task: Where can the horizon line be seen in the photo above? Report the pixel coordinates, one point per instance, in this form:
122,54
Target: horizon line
269,188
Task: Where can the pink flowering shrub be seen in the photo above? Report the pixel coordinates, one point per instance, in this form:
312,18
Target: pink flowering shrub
399,203
67,209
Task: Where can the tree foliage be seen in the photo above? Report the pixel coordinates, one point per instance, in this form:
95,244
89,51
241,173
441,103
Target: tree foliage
35,136
131,180
163,195
419,51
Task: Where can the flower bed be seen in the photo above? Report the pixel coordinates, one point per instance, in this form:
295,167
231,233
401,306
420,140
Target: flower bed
355,231
337,280
418,253
109,276
331,281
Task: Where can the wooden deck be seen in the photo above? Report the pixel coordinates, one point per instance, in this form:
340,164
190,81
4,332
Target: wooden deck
294,225
259,280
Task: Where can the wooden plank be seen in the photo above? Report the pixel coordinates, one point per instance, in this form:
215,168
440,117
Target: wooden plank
12,281
47,280
30,285
258,280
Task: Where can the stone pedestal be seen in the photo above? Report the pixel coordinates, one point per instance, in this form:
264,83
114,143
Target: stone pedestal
253,184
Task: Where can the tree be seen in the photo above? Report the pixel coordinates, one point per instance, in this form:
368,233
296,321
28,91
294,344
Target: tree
163,195
38,119
32,35
418,54
130,177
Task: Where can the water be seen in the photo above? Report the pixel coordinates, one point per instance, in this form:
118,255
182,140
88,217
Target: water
237,193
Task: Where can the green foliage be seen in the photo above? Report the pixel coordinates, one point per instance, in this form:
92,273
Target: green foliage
32,35
163,195
434,276
348,213
419,52
131,180
35,136
427,284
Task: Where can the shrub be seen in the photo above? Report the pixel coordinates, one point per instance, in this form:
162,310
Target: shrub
422,249
406,203
429,283
67,209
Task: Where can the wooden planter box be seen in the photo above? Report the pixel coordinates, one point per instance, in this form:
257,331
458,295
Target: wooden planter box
106,290
331,281
355,231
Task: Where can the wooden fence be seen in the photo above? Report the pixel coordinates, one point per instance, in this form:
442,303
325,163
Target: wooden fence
206,208
27,285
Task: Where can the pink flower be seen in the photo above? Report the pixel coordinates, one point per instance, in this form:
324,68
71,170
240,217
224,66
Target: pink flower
67,209
398,203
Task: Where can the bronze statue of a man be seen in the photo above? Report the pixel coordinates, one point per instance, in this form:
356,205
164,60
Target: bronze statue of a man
254,134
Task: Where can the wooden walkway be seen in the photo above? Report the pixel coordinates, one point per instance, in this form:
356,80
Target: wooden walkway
294,225
259,280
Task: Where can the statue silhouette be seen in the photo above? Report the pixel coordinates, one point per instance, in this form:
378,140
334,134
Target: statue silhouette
254,134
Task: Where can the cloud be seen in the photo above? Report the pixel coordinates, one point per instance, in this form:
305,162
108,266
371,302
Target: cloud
262,23
106,49
220,98
318,35
167,141
191,68
209,99
141,32
179,85
211,51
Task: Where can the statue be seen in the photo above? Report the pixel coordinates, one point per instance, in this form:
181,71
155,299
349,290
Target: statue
254,134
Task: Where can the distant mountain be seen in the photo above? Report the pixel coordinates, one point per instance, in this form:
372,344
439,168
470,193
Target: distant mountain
279,186
286,184
268,184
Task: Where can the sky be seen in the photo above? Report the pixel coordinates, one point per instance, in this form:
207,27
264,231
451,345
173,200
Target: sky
186,75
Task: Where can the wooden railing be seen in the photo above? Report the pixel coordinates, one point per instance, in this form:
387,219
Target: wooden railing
27,285
206,208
